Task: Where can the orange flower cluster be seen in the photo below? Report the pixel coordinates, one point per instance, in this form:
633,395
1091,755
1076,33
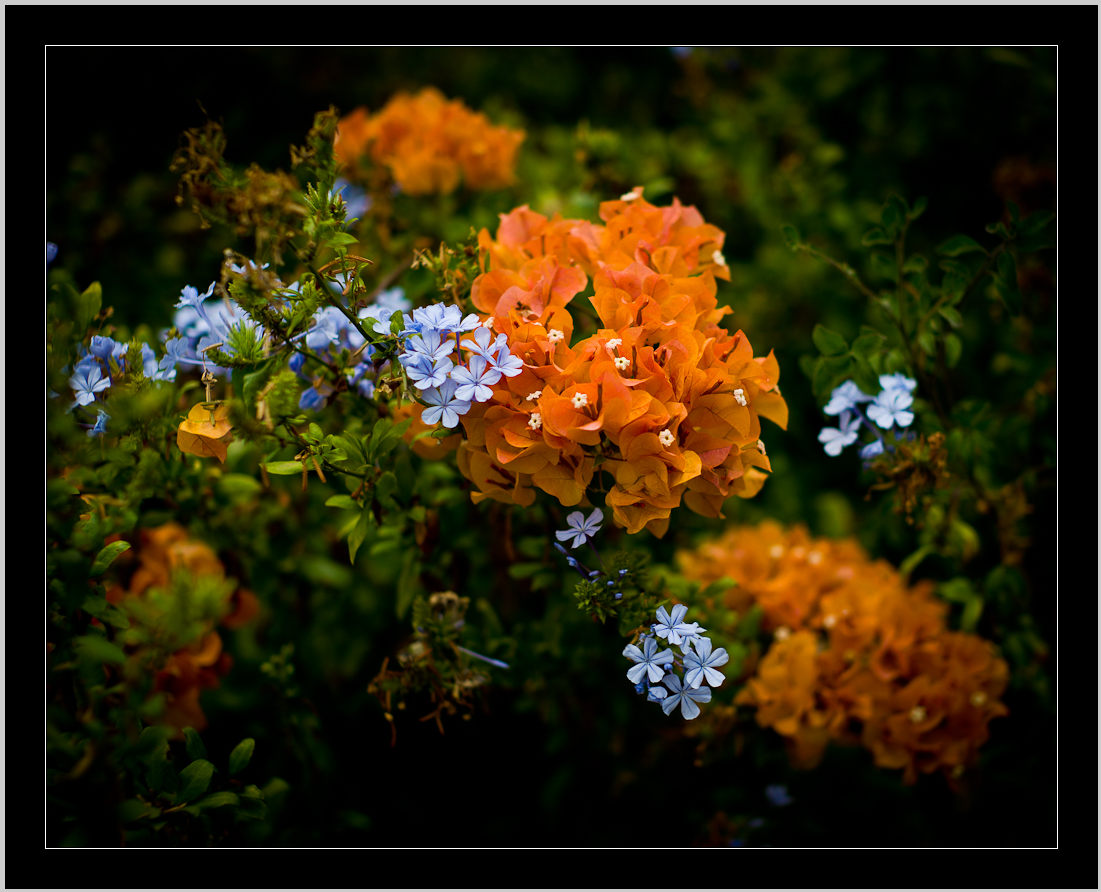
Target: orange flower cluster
428,143
160,552
858,655
660,395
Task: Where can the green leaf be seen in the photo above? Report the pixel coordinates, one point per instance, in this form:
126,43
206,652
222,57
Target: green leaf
959,244
283,468
342,238
829,371
791,236
918,207
105,611
952,316
135,809
876,235
342,501
359,533
240,756
107,555
194,780
953,349
830,343
88,305
218,800
908,564
972,610
97,649
864,376
194,744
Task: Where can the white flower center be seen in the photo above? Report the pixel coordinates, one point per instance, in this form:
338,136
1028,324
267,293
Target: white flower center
782,633
555,335
580,400
613,343
666,438
829,620
622,363
815,557
978,698
536,421
761,447
739,397
718,258
776,551
917,714
630,196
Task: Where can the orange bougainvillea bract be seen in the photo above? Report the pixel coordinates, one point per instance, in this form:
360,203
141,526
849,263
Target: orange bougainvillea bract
660,398
858,656
429,144
161,552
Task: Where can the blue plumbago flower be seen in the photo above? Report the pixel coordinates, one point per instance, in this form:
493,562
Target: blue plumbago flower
311,399
484,344
101,346
423,372
672,626
836,439
445,318
240,269
475,383
897,381
190,297
690,636
431,343
178,350
392,299
648,661
330,323
87,381
51,253
580,528
688,698
892,407
656,694
508,365
871,450
844,398
777,794
702,664
100,427
443,405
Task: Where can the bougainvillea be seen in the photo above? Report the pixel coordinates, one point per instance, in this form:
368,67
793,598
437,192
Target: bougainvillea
654,400
858,655
176,596
428,144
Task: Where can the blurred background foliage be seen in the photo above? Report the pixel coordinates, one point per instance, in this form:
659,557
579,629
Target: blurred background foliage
560,751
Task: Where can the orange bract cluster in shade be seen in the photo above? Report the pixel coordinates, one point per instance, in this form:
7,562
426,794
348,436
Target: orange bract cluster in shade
660,395
428,143
161,552
858,656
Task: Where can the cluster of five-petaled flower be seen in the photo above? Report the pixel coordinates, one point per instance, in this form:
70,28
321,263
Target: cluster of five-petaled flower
433,359
655,672
890,409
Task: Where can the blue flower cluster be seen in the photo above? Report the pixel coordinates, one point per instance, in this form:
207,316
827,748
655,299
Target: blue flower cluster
433,360
333,332
889,410
655,672
102,358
